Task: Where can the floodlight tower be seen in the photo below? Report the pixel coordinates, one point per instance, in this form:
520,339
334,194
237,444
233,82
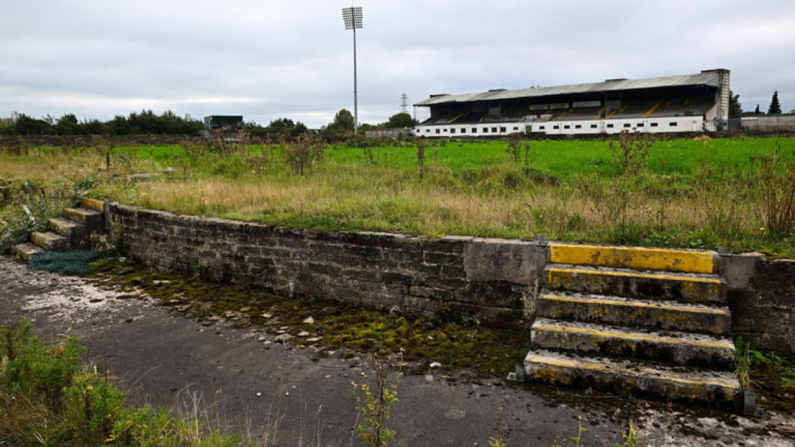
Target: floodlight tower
353,21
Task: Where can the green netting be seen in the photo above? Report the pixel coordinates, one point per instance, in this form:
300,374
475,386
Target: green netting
73,262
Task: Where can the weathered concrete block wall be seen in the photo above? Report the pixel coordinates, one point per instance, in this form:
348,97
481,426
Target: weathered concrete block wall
769,123
463,277
762,301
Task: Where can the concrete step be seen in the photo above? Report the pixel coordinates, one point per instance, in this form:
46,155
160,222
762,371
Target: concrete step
652,314
686,261
27,250
64,227
667,383
675,348
92,204
50,241
92,219
75,232
689,287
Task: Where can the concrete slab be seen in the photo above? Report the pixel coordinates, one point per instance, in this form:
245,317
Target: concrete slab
689,261
659,314
676,348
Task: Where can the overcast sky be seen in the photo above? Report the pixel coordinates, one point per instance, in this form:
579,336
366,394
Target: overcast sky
266,60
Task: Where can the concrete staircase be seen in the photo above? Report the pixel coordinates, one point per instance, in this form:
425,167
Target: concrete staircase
69,233
649,322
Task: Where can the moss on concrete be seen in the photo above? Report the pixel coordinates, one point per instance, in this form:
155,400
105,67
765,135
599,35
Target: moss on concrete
421,341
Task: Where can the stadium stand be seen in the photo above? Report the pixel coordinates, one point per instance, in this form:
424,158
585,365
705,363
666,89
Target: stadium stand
683,103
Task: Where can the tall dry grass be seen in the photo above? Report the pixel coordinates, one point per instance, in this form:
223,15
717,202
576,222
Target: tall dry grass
709,208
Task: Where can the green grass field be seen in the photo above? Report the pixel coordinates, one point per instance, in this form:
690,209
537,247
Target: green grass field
561,158
698,193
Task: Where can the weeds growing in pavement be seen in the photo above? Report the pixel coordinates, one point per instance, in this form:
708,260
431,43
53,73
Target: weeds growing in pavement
630,437
767,373
375,405
50,399
502,430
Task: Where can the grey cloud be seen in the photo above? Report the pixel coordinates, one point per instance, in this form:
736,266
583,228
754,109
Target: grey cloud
269,60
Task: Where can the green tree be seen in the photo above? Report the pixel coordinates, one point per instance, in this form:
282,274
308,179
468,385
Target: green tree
735,108
68,125
775,106
94,127
285,127
25,125
757,112
119,125
344,120
342,124
400,121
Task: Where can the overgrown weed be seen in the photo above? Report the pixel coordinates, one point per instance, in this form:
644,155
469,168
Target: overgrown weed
776,179
49,398
375,405
573,190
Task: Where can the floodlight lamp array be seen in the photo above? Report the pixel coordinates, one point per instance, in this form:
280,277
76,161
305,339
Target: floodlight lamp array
352,17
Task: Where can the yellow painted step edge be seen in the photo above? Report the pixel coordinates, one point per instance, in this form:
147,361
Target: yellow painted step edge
634,336
93,204
566,363
633,257
696,310
634,275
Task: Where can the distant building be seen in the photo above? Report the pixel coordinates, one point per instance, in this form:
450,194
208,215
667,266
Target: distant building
225,122
672,104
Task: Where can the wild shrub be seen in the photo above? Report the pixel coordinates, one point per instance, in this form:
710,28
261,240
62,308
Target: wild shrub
776,180
50,399
375,406
303,153
421,149
29,206
516,147
630,152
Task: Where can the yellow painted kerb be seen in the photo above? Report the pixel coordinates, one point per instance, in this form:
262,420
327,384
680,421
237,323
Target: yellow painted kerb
636,304
633,257
567,363
634,336
93,203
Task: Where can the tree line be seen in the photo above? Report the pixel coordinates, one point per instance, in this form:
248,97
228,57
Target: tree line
736,108
147,122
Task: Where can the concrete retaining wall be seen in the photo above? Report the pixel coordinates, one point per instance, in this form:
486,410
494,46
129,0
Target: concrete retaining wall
762,301
482,280
491,281
769,123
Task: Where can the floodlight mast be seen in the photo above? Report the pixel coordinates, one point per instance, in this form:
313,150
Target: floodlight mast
353,21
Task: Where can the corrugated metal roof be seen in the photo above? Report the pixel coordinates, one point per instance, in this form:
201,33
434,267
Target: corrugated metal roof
710,78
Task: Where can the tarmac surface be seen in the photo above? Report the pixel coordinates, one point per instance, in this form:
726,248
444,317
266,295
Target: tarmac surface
246,381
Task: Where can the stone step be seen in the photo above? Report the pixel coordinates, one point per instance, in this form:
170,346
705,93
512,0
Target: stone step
686,261
92,219
75,232
667,383
27,250
652,314
675,348
64,227
689,287
92,204
50,241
